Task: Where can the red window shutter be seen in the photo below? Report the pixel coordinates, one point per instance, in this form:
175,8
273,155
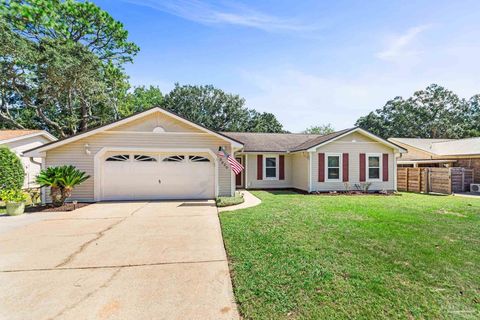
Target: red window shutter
362,167
385,166
282,167
345,167
321,167
259,167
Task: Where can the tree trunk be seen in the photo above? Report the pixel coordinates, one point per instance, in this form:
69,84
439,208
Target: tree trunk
57,196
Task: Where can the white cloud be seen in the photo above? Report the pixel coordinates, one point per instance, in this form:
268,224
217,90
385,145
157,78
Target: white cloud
301,99
399,47
223,13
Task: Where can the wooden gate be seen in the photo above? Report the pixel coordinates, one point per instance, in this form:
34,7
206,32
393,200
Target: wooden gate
436,180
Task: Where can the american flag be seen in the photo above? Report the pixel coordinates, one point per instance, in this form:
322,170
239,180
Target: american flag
234,164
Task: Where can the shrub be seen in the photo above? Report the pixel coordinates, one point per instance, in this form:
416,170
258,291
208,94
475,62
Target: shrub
13,195
12,174
61,181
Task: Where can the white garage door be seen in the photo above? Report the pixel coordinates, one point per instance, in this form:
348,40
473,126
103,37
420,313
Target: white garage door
146,176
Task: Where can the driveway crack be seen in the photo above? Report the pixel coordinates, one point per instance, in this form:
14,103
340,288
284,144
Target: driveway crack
99,235
88,295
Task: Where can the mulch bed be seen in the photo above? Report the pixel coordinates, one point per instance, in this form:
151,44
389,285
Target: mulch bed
51,208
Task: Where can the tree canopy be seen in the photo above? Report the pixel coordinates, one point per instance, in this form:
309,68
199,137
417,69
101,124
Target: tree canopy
61,65
322,129
218,110
431,113
61,70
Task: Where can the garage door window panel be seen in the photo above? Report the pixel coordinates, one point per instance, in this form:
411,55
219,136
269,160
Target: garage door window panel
198,159
119,157
177,158
144,158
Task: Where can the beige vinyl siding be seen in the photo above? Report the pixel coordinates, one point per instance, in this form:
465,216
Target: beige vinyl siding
253,183
300,168
354,144
150,122
74,153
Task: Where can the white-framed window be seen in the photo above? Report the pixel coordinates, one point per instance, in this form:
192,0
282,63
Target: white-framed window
333,167
374,166
270,167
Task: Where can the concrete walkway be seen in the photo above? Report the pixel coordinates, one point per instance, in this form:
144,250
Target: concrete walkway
250,201
131,260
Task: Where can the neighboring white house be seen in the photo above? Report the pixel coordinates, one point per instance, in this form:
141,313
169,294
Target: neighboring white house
21,140
157,154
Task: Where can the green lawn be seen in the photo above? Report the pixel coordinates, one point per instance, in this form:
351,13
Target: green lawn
322,257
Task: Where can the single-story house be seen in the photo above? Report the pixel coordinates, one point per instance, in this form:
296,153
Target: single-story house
157,154
21,140
463,153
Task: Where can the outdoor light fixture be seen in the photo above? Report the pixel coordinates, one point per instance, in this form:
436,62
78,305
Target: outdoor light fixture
86,146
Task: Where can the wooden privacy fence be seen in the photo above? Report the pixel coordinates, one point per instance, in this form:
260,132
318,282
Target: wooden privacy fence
436,180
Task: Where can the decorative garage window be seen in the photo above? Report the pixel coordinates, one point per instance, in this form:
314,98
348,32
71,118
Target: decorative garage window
119,157
174,159
270,167
144,158
198,159
374,163
333,167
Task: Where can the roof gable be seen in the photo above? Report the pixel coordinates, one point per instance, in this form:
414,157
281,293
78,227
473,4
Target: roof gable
7,136
443,147
124,121
313,145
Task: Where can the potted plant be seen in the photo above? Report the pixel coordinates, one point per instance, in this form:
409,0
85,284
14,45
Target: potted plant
14,201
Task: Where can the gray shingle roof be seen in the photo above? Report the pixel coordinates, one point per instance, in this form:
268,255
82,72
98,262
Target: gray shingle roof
280,142
444,147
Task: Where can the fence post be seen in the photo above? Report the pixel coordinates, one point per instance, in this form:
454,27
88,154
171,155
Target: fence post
419,180
450,180
463,179
408,170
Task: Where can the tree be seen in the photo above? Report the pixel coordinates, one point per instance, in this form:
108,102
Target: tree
140,99
262,122
322,129
217,110
431,113
61,64
12,173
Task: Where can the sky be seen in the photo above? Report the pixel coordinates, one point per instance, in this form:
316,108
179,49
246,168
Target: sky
308,62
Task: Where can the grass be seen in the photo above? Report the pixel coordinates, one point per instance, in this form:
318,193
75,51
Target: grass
334,257
230,201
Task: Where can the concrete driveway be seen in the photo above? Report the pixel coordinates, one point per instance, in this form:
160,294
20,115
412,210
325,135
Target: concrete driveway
129,260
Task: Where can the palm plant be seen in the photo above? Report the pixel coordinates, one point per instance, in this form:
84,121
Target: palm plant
61,181
49,178
70,177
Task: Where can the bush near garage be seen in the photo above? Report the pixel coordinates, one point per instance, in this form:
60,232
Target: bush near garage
12,173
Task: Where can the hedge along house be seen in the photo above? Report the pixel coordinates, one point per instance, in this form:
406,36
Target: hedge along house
157,154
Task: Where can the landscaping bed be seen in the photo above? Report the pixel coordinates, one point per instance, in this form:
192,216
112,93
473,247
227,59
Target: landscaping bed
409,256
230,201
51,208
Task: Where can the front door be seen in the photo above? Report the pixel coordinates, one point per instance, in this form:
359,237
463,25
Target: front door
239,177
